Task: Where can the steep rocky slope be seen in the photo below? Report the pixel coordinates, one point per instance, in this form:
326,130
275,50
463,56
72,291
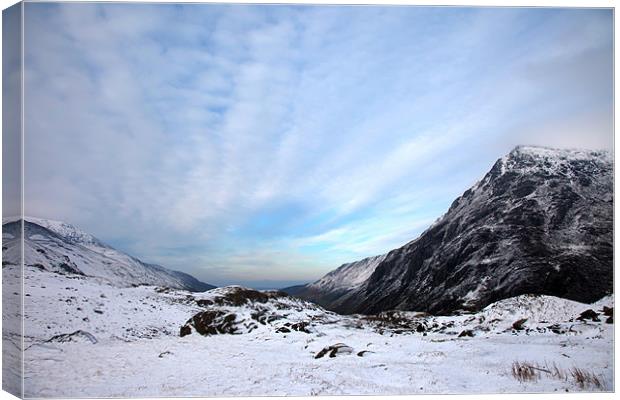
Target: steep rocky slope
332,288
62,248
539,222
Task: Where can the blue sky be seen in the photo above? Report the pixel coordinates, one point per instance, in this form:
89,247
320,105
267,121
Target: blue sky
266,145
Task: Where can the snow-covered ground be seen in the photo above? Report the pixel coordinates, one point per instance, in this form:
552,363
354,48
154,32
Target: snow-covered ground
129,345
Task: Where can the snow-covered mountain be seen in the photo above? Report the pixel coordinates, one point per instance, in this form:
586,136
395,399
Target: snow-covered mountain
539,222
63,248
332,288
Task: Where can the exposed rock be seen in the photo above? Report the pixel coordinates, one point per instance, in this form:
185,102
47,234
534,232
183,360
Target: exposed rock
589,314
210,323
334,350
301,327
68,267
557,329
185,330
518,325
298,326
264,316
237,296
77,336
239,310
395,321
204,302
466,333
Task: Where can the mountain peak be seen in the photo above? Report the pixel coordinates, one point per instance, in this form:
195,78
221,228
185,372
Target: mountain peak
547,161
539,222
69,232
557,153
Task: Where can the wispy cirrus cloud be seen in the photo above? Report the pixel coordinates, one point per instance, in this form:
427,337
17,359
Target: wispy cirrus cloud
244,143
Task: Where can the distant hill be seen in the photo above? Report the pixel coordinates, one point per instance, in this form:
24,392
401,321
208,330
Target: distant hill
65,249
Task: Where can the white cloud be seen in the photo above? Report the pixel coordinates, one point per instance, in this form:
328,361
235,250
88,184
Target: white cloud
168,128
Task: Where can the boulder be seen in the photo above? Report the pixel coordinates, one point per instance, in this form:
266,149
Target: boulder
518,324
334,350
211,323
589,314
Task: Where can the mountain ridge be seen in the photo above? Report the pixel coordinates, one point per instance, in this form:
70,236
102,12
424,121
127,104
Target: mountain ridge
539,213
63,248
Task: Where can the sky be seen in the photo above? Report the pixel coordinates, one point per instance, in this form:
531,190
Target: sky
267,145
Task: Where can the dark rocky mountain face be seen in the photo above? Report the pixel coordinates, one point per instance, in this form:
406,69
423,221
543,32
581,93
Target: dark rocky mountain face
539,222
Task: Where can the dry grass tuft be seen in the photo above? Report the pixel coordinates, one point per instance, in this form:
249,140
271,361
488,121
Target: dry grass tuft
524,372
531,372
585,379
557,372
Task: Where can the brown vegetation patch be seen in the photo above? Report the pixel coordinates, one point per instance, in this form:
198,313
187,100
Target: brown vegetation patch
530,372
